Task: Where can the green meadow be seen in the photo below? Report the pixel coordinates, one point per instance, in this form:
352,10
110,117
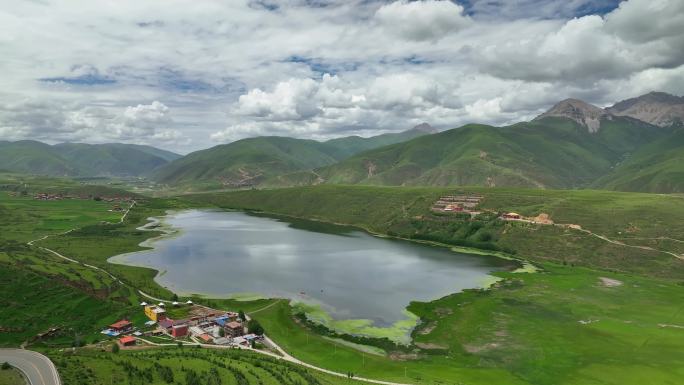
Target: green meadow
591,312
562,325
11,376
187,365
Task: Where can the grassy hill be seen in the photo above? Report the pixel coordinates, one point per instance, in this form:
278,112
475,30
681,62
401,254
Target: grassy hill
269,160
656,167
79,159
351,145
550,152
31,157
248,161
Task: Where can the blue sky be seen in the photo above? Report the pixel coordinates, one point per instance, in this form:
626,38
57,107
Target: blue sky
187,75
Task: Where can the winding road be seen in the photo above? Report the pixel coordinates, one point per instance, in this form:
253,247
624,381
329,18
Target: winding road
36,367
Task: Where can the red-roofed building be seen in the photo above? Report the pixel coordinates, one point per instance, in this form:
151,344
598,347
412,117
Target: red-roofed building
166,323
205,337
121,326
178,331
127,341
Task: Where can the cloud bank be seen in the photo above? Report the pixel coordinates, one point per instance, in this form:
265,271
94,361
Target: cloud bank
188,75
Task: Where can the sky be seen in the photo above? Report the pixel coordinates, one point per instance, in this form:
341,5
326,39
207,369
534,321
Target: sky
187,75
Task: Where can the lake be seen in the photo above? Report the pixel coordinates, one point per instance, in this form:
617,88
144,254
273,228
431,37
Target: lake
347,272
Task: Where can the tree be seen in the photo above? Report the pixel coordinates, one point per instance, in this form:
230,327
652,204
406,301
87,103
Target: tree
115,348
5,366
254,327
242,315
175,297
222,332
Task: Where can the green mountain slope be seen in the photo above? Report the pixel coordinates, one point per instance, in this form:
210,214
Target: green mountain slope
31,157
270,160
657,167
351,145
114,159
549,152
78,159
248,161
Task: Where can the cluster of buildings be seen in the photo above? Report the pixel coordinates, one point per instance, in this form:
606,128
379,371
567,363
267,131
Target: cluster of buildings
44,196
203,325
48,197
458,204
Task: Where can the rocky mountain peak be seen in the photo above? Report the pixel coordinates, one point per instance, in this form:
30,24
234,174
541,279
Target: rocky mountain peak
581,112
425,127
657,108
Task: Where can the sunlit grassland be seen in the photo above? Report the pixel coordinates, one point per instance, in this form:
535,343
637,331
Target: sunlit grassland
559,326
25,219
161,366
31,303
11,376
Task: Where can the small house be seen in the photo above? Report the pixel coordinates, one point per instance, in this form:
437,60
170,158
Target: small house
121,326
127,341
512,216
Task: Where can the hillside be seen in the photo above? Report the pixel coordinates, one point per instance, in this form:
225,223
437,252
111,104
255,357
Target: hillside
351,145
550,152
31,157
271,160
656,167
79,159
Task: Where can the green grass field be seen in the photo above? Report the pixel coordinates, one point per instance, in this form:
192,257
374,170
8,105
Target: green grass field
183,366
11,376
26,219
595,313
560,326
31,303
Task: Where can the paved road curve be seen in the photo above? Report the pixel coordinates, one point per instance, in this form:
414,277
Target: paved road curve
38,368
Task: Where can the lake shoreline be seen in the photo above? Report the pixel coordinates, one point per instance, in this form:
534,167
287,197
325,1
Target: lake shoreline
169,231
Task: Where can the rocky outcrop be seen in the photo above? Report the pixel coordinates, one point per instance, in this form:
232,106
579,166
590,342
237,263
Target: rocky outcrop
426,128
657,108
583,113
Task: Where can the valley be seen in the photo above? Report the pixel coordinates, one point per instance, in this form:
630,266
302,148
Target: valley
342,192
468,336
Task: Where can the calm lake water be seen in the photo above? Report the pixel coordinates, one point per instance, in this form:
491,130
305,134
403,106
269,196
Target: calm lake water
349,273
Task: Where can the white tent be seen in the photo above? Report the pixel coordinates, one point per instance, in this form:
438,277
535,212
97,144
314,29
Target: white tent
143,303
161,303
189,302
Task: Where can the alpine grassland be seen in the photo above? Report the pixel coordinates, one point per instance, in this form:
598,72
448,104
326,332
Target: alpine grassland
187,365
603,304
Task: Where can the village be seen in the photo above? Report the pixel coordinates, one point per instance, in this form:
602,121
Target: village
469,204
202,326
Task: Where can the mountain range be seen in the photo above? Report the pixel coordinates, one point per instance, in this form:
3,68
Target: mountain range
636,145
271,160
81,160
